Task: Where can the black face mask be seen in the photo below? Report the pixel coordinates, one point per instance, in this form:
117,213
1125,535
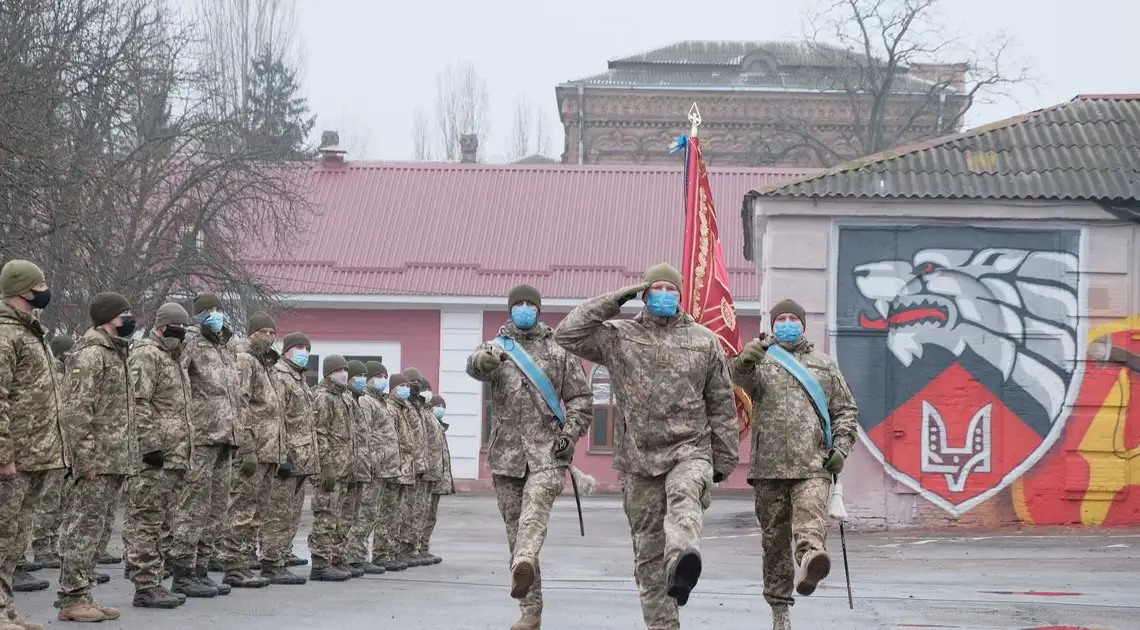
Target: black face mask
127,328
174,333
40,299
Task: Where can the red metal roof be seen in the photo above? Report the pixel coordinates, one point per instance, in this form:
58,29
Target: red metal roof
477,230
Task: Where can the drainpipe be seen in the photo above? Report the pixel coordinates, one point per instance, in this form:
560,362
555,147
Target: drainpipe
581,124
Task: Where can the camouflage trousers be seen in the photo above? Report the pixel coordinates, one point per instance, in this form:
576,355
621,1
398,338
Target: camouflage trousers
333,515
525,506
666,514
431,516
298,508
384,535
367,523
20,497
85,527
249,504
793,521
48,517
201,506
151,499
408,516
278,527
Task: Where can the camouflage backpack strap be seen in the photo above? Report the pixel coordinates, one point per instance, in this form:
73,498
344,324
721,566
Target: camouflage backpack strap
810,386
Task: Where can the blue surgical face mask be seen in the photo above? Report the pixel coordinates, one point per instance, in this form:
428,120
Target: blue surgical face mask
662,303
438,412
523,316
358,383
215,320
788,331
380,384
300,358
403,392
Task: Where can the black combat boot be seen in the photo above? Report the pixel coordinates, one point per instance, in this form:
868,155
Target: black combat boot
106,558
102,578
328,574
24,582
244,578
432,558
390,564
294,561
368,568
683,577
156,597
203,577
186,584
281,575
31,566
49,561
352,571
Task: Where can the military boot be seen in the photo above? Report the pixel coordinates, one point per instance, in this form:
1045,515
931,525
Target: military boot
156,597
101,578
87,613
49,561
281,575
406,560
106,558
203,577
328,574
683,578
215,566
25,624
31,566
368,568
294,561
781,617
244,578
528,622
24,582
186,584
814,566
390,564
5,624
352,571
522,578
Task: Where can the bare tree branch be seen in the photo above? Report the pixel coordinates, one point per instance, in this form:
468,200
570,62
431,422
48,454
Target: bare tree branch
421,137
528,131
462,107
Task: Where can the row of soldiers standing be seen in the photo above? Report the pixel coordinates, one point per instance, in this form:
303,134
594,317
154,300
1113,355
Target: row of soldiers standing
217,439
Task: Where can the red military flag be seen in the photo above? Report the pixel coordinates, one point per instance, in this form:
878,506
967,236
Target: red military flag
706,296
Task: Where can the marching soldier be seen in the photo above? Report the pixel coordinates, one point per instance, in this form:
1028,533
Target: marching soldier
529,453
794,459
675,425
31,440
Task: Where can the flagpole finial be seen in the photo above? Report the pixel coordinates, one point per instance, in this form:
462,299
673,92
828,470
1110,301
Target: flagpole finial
694,120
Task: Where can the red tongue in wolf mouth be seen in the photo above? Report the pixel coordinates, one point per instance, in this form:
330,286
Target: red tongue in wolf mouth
902,317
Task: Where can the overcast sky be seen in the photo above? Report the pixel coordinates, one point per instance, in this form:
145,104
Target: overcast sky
369,63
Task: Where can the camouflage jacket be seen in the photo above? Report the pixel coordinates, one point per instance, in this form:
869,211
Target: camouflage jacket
523,429
787,435
213,372
385,442
30,395
300,427
259,405
161,391
334,420
99,415
672,397
433,444
402,416
446,484
362,440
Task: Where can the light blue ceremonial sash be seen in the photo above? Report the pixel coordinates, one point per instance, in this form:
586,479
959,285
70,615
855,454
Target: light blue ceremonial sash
534,374
808,382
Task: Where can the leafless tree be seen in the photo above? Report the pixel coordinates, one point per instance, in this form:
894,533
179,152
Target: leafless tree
462,107
904,76
421,137
528,131
116,170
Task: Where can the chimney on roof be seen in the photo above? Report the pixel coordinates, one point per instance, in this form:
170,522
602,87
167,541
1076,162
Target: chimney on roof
330,149
468,148
952,75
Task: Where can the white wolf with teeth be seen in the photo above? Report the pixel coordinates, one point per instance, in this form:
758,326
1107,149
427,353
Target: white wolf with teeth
1016,309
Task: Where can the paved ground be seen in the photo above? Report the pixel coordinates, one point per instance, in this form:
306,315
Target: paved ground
901,580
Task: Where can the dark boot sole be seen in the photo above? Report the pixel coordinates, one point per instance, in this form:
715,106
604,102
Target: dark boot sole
288,582
194,595
31,588
685,578
109,561
817,569
299,562
165,605
328,579
522,579
247,584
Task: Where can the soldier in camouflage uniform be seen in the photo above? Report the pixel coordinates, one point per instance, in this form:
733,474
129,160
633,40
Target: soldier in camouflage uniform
203,504
99,423
529,453
161,390
376,507
333,418
31,441
446,483
49,516
361,471
262,420
675,429
433,471
287,489
427,472
792,468
411,465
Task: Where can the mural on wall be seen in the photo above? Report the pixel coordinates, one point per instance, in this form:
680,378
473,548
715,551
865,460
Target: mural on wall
964,347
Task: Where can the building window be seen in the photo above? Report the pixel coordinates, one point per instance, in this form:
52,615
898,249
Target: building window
602,431
486,415
313,370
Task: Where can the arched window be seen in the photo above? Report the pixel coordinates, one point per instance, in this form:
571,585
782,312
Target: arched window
602,430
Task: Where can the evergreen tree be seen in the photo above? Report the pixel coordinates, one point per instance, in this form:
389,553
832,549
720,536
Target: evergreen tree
278,118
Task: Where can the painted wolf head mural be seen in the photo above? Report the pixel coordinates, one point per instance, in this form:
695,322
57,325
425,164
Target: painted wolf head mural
985,336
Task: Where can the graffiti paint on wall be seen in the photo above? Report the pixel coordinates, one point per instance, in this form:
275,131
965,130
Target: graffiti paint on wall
965,349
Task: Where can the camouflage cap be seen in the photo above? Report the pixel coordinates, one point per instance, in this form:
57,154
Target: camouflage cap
788,306
524,293
333,363
356,368
294,339
61,344
19,276
375,368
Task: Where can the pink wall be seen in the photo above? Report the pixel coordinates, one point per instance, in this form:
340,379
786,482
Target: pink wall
599,465
417,331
